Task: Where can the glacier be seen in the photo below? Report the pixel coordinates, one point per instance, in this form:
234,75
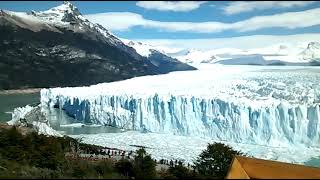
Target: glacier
187,149
271,106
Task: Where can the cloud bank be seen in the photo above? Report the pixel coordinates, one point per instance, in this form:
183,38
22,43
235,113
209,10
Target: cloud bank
247,6
241,42
120,21
176,6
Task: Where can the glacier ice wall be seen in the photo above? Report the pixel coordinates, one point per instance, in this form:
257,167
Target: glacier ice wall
277,125
271,106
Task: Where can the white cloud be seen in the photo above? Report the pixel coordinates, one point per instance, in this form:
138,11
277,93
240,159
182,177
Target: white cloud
241,42
176,6
290,20
247,6
127,20
117,21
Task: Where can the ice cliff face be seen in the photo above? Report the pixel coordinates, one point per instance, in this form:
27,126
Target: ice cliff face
256,108
275,126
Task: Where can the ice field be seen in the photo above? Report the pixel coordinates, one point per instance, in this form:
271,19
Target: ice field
270,112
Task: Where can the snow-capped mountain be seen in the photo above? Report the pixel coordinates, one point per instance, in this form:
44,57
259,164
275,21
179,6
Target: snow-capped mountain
312,52
158,57
59,47
304,53
278,49
143,49
283,54
194,56
64,16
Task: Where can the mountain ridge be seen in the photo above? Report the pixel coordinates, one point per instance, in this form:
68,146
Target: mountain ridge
59,47
278,54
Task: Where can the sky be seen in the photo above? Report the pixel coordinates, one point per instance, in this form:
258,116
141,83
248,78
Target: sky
204,24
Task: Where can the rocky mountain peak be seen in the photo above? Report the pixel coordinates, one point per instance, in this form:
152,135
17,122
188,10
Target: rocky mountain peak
66,12
67,3
67,7
2,12
131,43
69,11
312,52
314,45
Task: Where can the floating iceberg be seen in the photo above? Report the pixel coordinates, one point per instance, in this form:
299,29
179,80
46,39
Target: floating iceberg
18,113
31,115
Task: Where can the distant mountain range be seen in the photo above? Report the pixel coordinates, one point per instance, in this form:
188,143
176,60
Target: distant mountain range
59,47
157,57
281,54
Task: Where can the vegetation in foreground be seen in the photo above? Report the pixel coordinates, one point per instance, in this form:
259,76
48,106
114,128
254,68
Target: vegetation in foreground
38,156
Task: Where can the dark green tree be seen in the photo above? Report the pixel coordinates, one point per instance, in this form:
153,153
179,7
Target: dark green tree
215,160
144,166
125,167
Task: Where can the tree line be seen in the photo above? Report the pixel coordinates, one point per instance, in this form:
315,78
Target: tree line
40,156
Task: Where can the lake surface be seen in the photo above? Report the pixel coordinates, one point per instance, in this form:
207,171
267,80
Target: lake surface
315,162
10,101
65,124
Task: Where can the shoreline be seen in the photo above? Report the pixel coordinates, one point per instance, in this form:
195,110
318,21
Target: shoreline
20,91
